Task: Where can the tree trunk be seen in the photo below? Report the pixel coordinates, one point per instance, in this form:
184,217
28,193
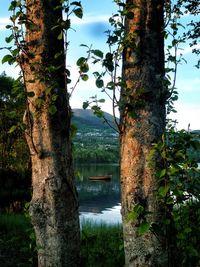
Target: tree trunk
54,206
143,123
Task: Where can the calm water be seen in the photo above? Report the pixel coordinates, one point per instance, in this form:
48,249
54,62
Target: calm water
99,200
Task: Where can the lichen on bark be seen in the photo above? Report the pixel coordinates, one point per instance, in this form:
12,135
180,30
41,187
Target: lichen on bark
143,122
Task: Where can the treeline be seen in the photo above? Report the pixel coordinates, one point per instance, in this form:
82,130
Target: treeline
14,154
96,155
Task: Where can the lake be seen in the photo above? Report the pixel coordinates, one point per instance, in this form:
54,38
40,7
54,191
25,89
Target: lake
99,200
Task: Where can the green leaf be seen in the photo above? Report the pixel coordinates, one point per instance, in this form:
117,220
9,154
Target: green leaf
84,45
80,61
139,209
112,39
67,72
48,90
66,24
15,52
12,129
76,3
8,58
84,77
57,55
54,97
13,5
78,12
84,67
68,81
97,53
162,173
60,36
173,170
132,216
55,27
97,111
12,114
163,190
9,39
110,85
152,153
38,102
52,109
143,228
8,26
96,74
85,105
99,83
101,100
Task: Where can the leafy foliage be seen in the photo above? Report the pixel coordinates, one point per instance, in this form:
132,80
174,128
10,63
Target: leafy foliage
191,8
13,147
179,193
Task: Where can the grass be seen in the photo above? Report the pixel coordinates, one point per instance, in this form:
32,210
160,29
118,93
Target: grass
101,244
16,241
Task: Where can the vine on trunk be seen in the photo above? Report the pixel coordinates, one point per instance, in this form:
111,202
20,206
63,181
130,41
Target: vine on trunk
19,55
178,179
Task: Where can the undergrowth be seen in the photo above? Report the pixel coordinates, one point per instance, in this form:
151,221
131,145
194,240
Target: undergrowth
101,244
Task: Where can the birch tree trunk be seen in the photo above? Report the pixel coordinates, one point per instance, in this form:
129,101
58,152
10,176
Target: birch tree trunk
54,206
143,123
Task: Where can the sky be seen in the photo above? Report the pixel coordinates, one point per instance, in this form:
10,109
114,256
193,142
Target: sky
90,30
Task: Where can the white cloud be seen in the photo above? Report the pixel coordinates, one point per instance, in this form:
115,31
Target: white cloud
88,19
187,114
189,85
188,49
3,23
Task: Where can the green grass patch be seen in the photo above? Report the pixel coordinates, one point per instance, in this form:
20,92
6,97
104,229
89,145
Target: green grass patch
14,222
16,241
101,244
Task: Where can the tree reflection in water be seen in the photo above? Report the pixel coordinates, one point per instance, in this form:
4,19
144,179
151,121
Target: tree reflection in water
99,200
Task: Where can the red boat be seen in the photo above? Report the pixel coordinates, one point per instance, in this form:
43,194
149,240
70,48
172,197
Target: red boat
106,177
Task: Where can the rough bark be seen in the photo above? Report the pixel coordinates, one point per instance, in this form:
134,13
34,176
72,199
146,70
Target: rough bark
54,206
143,123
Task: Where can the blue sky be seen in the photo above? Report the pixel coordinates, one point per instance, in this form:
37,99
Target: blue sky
90,30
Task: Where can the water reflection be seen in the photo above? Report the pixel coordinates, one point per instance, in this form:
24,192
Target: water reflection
109,215
99,200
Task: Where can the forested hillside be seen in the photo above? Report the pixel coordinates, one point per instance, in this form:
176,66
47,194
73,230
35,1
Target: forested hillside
95,141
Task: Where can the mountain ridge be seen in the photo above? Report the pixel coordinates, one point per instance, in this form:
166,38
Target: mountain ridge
86,118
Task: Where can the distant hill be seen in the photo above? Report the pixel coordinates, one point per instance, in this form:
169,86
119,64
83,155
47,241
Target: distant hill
197,132
85,118
95,141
